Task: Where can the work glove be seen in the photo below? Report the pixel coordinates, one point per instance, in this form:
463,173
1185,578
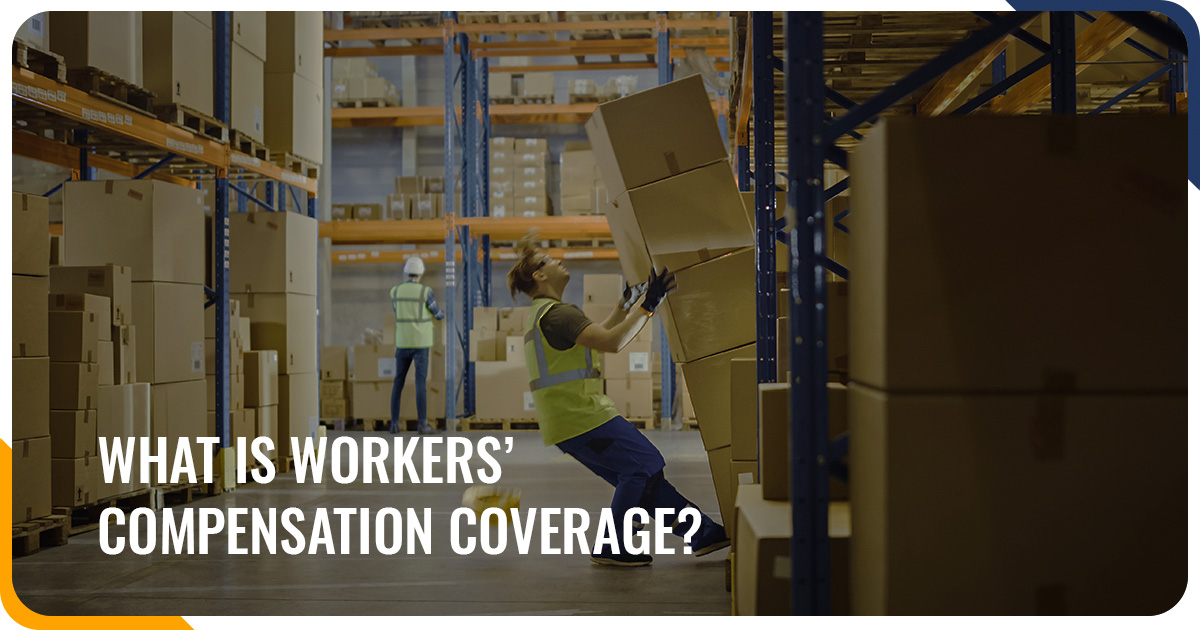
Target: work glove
631,295
657,287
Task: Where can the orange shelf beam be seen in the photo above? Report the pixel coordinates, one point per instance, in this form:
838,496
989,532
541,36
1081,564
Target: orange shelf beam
240,162
383,232
60,154
513,228
434,230
437,32
500,113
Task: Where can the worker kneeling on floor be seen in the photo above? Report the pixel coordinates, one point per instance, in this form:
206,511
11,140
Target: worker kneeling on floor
562,349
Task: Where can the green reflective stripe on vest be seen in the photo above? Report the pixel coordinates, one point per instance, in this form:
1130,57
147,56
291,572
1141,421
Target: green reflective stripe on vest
414,323
567,388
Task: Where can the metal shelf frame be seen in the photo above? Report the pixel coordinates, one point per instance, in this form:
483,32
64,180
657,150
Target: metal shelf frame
176,156
810,138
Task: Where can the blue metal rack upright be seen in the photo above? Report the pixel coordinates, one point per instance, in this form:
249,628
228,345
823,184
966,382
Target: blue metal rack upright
222,33
667,408
451,281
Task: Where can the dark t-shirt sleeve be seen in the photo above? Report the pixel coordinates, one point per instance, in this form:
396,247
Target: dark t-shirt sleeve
562,324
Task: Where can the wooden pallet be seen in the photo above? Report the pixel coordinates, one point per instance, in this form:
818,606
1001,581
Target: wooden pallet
187,118
31,536
335,424
296,164
283,465
250,146
361,103
85,518
109,87
39,61
533,100
180,493
691,424
593,243
501,100
587,98
408,424
499,424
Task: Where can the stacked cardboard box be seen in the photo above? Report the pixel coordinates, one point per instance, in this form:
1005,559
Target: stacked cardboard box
153,228
31,358
262,398
239,343
356,79
416,197
110,41
335,393
497,346
518,177
677,206
989,399
179,67
248,60
583,190
78,324
272,261
293,83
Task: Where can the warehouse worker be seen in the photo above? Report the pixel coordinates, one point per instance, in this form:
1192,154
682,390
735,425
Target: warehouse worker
415,309
562,349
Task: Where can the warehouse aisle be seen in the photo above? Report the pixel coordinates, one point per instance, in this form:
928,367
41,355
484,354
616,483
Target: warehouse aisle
80,579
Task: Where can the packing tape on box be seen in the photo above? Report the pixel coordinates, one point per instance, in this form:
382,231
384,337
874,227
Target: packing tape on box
108,186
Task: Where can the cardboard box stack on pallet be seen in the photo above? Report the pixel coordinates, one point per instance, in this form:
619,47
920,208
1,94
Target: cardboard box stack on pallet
356,83
261,398
416,197
293,83
335,390
583,190
273,274
995,385
248,73
517,185
31,358
145,241
179,69
497,346
628,374
375,372
109,41
241,423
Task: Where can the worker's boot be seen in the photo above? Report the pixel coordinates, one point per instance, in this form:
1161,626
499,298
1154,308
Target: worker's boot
394,427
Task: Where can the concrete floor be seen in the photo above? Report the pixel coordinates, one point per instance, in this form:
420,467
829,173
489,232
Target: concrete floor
79,579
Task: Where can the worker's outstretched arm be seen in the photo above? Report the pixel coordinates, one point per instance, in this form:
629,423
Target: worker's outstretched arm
629,298
614,338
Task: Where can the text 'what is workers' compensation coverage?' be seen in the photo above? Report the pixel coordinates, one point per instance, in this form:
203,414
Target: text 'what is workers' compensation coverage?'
479,528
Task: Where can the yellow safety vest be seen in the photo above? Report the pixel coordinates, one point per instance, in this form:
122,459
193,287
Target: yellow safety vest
414,323
567,387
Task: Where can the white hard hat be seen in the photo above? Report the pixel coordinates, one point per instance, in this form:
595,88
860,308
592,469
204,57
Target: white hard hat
414,266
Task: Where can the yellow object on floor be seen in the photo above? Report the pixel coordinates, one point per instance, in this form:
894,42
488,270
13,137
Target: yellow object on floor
480,498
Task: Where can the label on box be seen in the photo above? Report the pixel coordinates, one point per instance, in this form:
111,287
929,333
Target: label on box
198,357
782,569
745,478
639,361
528,401
387,368
529,213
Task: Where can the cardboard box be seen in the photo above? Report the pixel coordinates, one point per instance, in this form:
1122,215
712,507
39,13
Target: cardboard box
73,434
334,408
632,397
74,481
241,424
299,409
533,145
997,502
110,281
482,346
719,465
266,423
286,323
178,410
262,378
531,205
73,385
529,172
108,40
602,288
104,354
124,354
333,389
246,93
56,248
632,363
522,159
501,143
95,307
30,324
31,479
502,391
368,212
503,207
30,236
295,40
485,318
147,225
170,321
371,399
30,397
236,357
294,104
435,398
655,134
708,382
537,84
410,185
374,363
272,253
250,32
932,306
33,31
511,320
398,208
115,422
743,409
334,363
694,328
763,559
178,66
73,337
680,221
514,349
